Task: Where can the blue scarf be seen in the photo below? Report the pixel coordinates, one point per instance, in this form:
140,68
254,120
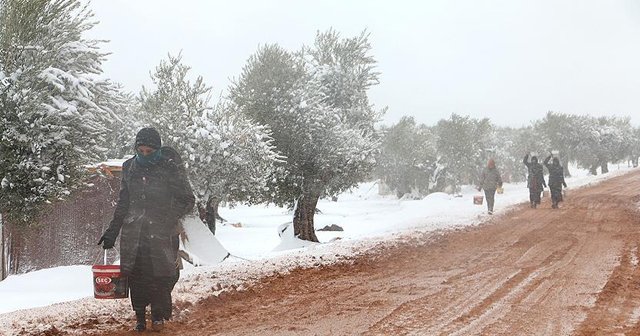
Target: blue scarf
150,159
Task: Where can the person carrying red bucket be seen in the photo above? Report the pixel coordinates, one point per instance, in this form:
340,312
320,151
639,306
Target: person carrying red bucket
490,180
154,195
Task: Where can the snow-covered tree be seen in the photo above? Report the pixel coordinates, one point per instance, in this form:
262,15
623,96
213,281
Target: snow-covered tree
627,133
603,140
51,120
564,132
315,103
123,127
634,146
518,142
231,158
464,146
408,160
511,144
266,92
174,102
228,157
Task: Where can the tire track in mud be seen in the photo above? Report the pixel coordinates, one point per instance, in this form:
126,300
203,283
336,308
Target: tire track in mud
528,287
484,290
617,309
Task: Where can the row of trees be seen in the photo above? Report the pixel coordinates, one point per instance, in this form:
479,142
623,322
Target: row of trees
420,159
295,126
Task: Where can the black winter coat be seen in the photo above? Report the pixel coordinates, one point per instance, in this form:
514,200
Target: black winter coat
535,178
556,174
153,198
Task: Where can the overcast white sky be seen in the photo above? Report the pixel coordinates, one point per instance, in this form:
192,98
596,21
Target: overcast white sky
510,61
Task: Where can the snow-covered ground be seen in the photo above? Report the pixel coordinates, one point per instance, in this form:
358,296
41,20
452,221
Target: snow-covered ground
59,296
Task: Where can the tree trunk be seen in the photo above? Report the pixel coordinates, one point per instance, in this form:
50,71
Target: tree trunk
209,213
593,170
303,227
3,261
635,162
604,167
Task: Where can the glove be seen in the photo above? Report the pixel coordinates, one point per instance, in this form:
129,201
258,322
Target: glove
107,241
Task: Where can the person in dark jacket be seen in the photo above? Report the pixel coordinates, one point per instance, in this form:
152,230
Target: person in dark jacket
154,195
490,180
556,180
535,179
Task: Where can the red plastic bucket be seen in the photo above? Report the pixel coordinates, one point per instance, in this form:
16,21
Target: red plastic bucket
477,200
108,282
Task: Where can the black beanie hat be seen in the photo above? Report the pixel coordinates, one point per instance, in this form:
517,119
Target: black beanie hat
148,136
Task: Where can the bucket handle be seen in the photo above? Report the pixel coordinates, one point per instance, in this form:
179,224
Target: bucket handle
104,260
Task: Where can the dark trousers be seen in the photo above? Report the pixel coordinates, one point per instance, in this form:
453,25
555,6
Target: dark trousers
147,289
490,195
556,193
534,195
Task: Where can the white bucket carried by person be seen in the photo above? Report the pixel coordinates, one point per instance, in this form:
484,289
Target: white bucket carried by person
108,282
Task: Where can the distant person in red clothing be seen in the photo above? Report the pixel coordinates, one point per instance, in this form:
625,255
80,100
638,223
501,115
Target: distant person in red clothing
490,180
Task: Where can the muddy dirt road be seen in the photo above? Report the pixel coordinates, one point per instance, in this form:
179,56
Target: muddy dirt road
572,271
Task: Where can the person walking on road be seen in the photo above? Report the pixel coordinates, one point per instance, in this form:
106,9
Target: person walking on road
154,195
490,180
556,180
535,179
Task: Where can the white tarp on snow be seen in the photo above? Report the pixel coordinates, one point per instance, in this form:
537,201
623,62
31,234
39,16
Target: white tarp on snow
200,244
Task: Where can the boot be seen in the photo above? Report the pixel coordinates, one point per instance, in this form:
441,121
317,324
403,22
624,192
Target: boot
140,327
141,323
157,325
